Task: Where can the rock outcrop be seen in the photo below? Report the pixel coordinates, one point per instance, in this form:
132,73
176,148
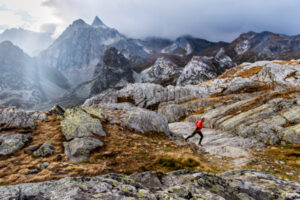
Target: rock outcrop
148,95
240,184
163,72
137,119
203,68
10,116
217,142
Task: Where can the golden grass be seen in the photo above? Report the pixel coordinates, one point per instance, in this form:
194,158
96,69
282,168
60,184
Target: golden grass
250,72
230,73
293,74
200,111
287,62
124,151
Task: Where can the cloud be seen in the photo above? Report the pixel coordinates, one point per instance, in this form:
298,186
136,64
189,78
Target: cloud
29,14
209,19
48,28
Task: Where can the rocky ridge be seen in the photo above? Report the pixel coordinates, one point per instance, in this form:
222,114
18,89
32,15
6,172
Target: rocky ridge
242,184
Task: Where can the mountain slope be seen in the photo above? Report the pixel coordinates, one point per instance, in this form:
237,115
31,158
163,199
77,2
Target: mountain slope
18,86
251,47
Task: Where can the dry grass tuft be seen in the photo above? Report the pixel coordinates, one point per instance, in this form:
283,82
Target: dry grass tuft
250,72
288,62
124,151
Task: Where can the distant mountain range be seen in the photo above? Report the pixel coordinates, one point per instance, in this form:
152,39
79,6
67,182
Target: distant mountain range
30,42
74,64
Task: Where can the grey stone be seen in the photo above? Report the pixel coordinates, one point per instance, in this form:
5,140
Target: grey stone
20,118
11,143
79,149
182,184
45,150
77,123
31,148
139,119
42,165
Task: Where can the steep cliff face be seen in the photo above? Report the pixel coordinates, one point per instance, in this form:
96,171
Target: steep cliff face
113,72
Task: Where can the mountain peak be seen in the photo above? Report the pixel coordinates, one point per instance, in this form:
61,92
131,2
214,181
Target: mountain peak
79,22
97,22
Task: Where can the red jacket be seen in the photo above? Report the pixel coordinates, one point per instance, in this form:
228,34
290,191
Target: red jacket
199,125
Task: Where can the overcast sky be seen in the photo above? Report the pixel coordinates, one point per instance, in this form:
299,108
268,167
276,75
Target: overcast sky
209,19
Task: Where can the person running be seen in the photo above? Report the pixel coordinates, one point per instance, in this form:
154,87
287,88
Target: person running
199,126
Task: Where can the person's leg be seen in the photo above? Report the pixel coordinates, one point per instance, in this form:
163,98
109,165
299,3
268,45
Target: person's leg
192,135
201,137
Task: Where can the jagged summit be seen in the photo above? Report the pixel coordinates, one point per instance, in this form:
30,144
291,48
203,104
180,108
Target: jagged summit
79,22
97,22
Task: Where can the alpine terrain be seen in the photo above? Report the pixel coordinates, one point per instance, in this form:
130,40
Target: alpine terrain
99,115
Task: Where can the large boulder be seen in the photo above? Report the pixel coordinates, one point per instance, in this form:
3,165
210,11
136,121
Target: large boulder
77,123
78,127
11,143
79,149
138,119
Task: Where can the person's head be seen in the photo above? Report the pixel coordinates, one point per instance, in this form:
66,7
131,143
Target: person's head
203,119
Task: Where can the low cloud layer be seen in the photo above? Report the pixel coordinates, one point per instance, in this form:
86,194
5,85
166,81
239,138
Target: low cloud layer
209,19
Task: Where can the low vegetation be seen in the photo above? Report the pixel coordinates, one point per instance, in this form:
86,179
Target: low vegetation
124,151
283,161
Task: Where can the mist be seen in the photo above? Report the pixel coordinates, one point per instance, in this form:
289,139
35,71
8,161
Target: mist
212,20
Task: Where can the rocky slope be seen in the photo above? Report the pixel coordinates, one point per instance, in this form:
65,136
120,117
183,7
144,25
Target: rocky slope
201,69
259,100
